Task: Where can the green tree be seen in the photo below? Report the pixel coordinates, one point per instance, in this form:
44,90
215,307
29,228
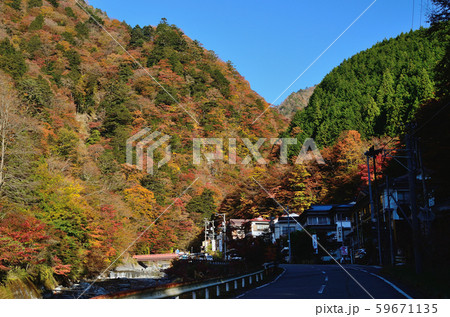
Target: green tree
36,93
396,110
163,97
426,88
83,93
15,4
69,12
140,35
66,143
371,113
201,206
11,60
34,44
34,3
37,23
54,3
440,11
82,30
119,137
386,91
74,59
155,184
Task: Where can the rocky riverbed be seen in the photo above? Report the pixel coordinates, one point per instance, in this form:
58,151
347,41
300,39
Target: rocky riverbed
130,275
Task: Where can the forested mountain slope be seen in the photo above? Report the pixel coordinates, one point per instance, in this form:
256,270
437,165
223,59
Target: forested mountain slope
374,92
71,96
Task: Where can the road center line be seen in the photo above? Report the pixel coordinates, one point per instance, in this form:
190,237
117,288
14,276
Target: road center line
321,289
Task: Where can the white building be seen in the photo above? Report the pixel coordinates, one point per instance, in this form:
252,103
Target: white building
283,225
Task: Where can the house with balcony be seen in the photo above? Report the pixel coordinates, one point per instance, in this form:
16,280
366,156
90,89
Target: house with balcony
281,226
324,220
257,227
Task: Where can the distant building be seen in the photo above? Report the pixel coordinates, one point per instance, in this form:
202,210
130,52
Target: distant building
236,228
257,227
325,219
241,228
282,225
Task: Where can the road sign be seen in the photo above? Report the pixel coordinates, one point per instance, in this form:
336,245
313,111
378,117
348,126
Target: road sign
339,235
431,202
314,241
344,250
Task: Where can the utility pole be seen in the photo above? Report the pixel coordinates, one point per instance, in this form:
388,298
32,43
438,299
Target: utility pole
206,235
374,214
426,196
224,236
410,145
391,244
377,201
289,235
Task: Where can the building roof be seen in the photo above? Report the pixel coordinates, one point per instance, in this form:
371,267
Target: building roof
291,214
259,219
320,208
237,222
155,257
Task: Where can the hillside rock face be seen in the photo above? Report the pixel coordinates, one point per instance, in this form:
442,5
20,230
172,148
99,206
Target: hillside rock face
296,101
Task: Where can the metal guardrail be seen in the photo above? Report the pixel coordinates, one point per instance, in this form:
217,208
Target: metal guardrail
205,287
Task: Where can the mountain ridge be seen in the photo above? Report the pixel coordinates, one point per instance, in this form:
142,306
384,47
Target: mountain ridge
296,101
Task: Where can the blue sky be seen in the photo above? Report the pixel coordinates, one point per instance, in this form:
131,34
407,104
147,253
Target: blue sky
272,42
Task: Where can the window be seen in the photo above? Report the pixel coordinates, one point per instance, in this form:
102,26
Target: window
261,227
284,230
402,197
341,217
318,220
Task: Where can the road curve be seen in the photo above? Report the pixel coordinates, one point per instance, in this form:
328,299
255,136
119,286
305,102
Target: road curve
302,281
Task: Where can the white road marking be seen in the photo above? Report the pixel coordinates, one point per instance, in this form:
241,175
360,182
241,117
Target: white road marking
323,272
267,284
393,286
326,278
321,289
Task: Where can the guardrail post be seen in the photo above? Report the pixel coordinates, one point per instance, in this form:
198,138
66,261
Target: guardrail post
227,287
261,275
235,284
206,293
257,278
217,291
250,280
194,296
243,282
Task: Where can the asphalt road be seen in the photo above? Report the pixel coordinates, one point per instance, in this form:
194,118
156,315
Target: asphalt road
327,281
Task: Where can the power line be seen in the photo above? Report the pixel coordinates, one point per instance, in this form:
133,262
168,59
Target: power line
421,3
412,23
